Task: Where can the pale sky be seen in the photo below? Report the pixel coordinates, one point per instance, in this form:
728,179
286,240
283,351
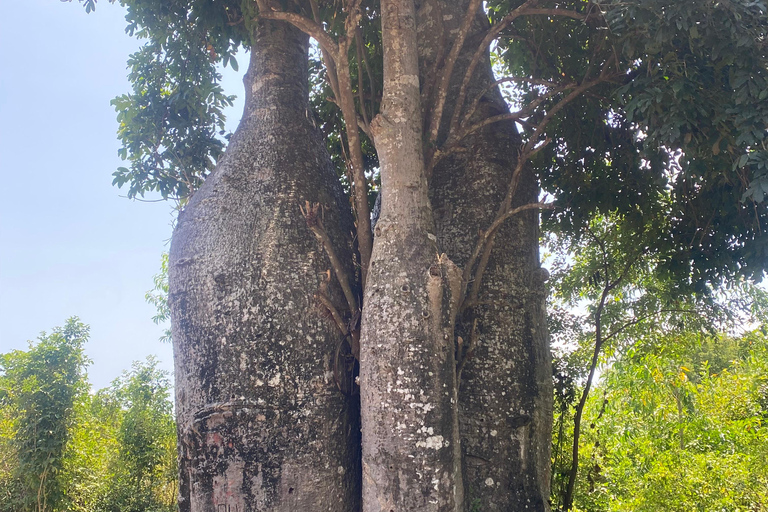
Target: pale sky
69,243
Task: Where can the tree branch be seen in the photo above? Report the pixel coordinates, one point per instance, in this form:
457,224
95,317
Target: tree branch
365,125
325,301
433,125
310,27
330,64
524,9
467,353
522,113
313,215
568,499
486,240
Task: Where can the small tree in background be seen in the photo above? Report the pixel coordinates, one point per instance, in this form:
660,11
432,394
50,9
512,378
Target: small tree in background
678,423
65,449
39,390
143,470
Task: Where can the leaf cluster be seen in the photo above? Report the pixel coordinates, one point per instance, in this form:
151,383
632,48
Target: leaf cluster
674,139
680,424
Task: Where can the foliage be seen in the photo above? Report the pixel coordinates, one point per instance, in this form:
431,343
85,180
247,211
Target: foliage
607,275
679,424
676,138
92,445
143,472
40,389
171,125
158,297
65,449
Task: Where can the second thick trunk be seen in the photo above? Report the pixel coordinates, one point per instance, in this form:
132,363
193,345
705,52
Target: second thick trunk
505,395
408,393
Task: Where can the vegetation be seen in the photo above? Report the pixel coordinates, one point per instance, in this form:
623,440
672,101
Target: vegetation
678,422
40,390
645,120
64,448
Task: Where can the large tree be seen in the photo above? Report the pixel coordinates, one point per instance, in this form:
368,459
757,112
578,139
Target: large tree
280,290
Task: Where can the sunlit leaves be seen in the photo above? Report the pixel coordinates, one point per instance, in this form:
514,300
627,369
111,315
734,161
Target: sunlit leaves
170,124
143,469
679,425
41,387
158,297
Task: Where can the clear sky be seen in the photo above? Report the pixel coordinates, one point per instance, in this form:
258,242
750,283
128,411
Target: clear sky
69,243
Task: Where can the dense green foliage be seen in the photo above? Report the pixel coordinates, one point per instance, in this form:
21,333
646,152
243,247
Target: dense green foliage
679,423
63,448
39,392
606,300
143,470
671,136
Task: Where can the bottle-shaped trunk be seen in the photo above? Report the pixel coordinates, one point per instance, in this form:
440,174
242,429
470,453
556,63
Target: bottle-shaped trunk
262,423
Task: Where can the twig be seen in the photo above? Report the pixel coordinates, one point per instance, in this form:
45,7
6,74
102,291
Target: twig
552,90
330,65
312,214
484,44
304,24
334,313
468,353
359,50
433,126
371,81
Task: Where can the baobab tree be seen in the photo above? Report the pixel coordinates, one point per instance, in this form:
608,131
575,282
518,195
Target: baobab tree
281,291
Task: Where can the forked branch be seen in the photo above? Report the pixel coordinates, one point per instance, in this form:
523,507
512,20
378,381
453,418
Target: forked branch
527,8
484,244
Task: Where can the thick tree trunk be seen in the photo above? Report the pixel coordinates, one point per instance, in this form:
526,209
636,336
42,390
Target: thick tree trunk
505,395
261,423
408,394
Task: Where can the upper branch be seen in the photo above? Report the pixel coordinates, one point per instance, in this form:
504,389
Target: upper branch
306,25
445,77
527,8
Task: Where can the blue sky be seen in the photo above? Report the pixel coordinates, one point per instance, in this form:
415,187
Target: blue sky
69,244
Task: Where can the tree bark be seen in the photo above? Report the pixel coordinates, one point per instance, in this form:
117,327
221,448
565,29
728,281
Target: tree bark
408,394
261,423
505,396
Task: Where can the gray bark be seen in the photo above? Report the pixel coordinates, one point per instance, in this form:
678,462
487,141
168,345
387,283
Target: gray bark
505,396
261,423
408,395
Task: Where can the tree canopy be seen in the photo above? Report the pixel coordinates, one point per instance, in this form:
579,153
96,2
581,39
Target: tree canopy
665,122
644,121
